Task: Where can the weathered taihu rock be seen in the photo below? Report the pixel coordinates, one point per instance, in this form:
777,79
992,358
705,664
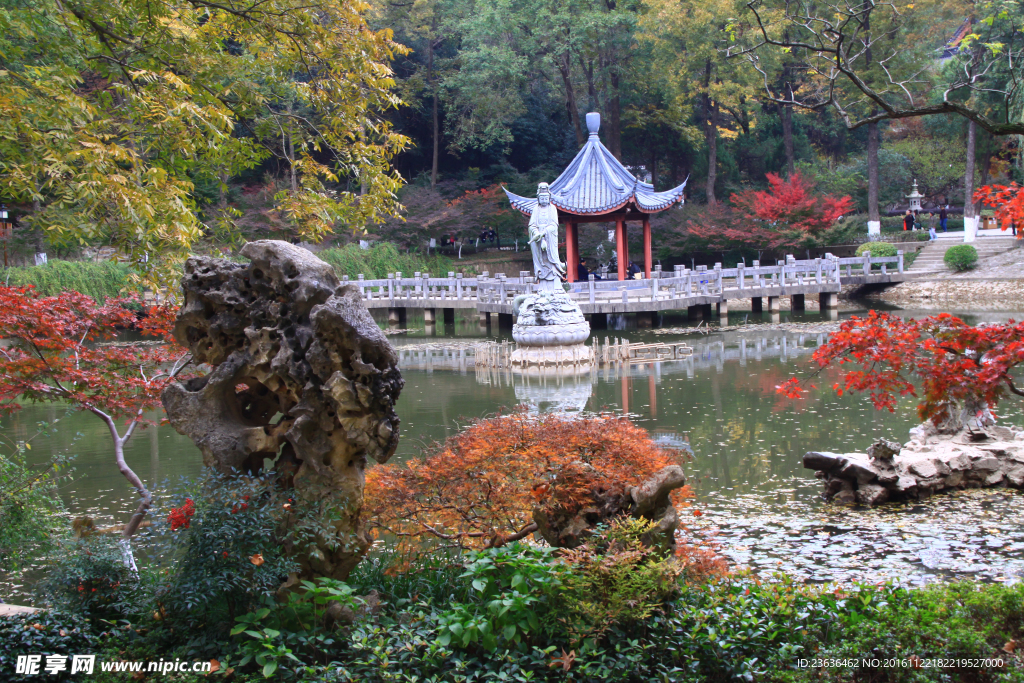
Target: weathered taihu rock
931,461
302,381
650,500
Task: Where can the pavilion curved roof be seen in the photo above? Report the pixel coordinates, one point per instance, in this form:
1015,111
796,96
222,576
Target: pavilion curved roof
597,183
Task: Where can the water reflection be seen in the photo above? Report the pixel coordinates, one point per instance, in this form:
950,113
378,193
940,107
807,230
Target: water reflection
719,403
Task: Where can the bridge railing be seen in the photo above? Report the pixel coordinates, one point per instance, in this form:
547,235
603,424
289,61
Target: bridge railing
862,265
662,285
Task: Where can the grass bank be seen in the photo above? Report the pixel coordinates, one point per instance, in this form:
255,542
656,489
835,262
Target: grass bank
101,281
383,258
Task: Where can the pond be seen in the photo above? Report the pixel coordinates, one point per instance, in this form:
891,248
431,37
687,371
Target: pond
758,506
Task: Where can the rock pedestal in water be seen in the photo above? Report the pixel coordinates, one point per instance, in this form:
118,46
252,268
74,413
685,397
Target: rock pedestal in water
931,461
301,377
550,330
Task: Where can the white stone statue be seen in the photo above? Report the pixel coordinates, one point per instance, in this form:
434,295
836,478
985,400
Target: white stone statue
547,266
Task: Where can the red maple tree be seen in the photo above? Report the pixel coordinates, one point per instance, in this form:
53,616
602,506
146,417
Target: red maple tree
790,214
1008,201
792,204
64,350
950,365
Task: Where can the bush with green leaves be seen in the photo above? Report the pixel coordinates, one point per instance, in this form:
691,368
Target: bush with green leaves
88,576
877,249
227,559
41,633
512,586
614,579
32,515
285,637
961,257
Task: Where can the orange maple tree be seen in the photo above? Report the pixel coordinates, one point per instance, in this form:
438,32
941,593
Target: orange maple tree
479,488
951,363
62,350
1008,201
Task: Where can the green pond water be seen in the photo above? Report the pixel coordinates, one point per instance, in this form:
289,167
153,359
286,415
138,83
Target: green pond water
760,508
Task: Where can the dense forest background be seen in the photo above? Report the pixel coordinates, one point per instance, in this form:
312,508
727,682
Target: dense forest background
400,120
497,93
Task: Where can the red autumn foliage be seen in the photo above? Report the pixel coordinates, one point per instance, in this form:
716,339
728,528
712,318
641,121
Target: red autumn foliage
1008,201
788,215
181,518
480,487
792,204
62,351
952,364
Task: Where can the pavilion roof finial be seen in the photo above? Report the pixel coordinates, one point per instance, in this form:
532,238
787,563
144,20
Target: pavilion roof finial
593,123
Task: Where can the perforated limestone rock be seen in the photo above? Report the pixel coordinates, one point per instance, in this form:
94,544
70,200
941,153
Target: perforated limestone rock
302,382
931,461
651,500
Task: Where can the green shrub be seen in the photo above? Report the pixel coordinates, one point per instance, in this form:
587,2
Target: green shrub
43,633
961,257
511,585
294,633
32,515
101,281
877,249
89,578
227,559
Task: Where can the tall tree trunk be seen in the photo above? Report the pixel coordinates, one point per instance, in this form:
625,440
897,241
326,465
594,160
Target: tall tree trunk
289,150
873,212
711,137
874,215
433,115
614,136
972,134
36,208
787,131
986,159
571,108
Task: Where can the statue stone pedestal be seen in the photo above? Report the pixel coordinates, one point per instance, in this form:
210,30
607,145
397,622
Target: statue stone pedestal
550,331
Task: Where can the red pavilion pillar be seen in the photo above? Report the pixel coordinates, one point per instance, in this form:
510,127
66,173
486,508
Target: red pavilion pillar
572,257
647,246
620,248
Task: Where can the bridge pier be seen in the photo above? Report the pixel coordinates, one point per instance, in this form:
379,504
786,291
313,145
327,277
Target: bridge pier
449,316
830,313
757,304
505,321
723,311
828,300
396,316
797,303
429,316
484,318
773,305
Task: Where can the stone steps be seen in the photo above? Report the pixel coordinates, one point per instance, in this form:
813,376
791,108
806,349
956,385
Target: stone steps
930,258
